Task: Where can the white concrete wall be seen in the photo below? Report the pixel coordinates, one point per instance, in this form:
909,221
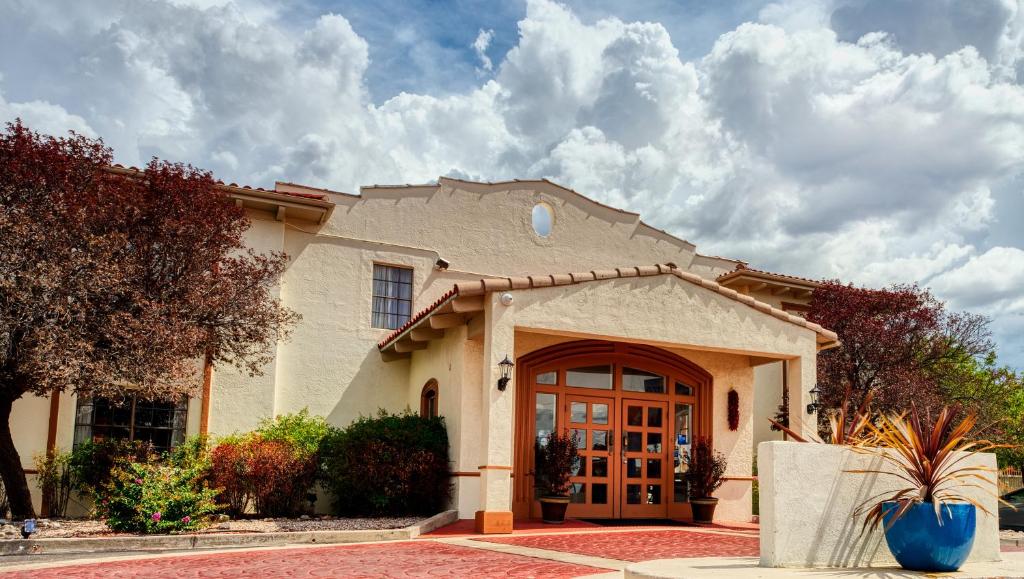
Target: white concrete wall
808,499
767,397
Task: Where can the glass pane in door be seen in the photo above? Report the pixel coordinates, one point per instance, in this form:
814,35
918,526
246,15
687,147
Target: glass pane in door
593,425
644,454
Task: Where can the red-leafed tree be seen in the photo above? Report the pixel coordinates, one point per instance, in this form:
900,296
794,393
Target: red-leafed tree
120,285
896,342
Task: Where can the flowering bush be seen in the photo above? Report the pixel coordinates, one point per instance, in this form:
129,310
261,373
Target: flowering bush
92,463
150,498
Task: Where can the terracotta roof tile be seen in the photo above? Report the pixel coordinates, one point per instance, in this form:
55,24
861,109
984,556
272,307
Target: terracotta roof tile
743,269
541,281
121,169
483,286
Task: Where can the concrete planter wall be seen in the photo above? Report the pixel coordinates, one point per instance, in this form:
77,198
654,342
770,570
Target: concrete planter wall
808,500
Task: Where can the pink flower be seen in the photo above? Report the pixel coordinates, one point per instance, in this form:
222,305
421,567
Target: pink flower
186,519
138,481
156,516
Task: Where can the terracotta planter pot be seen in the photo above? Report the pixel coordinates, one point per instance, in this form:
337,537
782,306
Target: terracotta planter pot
552,509
703,509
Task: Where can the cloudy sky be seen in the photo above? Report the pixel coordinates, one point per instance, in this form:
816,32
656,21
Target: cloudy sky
876,141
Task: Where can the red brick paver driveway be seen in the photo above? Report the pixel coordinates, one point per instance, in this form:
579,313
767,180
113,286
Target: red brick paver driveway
641,545
405,559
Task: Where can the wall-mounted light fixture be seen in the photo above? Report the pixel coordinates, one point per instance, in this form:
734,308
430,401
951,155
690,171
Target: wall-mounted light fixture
441,264
814,406
506,373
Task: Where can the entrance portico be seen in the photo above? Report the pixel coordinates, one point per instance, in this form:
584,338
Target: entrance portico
636,360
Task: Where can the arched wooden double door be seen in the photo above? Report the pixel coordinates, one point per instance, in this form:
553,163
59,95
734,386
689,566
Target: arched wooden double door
635,410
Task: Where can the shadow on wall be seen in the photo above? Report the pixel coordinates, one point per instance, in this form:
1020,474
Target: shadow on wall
854,547
372,387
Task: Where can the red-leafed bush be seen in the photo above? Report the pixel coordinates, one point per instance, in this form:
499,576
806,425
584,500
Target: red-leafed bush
274,477
228,473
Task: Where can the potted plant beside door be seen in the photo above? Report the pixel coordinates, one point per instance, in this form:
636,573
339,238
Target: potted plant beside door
930,520
705,472
554,460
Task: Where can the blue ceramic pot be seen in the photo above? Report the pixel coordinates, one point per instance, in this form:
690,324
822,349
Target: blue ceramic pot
918,541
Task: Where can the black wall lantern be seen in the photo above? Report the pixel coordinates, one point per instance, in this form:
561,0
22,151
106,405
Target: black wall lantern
814,406
506,373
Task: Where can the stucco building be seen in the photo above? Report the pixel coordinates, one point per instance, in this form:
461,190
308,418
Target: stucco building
412,295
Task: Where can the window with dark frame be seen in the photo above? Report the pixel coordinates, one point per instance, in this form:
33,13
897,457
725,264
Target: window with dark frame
392,296
428,400
162,424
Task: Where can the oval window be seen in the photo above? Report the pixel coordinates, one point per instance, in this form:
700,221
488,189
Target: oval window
543,219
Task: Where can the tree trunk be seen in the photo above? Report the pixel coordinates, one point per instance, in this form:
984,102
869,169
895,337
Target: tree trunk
13,474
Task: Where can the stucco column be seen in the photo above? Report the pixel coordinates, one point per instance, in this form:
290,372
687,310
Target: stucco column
496,417
803,375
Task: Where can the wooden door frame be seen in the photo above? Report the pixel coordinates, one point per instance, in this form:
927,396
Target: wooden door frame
619,354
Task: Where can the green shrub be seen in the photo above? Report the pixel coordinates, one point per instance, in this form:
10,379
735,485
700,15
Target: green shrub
391,464
55,477
93,462
192,454
302,431
150,498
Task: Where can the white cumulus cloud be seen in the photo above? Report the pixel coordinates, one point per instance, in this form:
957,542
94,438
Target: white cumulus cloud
833,138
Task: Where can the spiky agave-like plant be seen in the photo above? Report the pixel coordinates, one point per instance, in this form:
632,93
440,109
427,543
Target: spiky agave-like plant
928,456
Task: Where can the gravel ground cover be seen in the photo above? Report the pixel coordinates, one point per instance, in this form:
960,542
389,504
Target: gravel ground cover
1008,534
69,528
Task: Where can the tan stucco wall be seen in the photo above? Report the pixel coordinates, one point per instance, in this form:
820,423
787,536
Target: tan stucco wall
730,372
717,333
331,364
486,229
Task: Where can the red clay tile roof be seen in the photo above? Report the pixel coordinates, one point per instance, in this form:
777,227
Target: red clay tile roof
418,316
487,285
118,168
743,269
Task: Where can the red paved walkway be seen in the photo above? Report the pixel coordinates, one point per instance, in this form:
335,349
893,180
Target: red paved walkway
641,545
467,528
405,559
